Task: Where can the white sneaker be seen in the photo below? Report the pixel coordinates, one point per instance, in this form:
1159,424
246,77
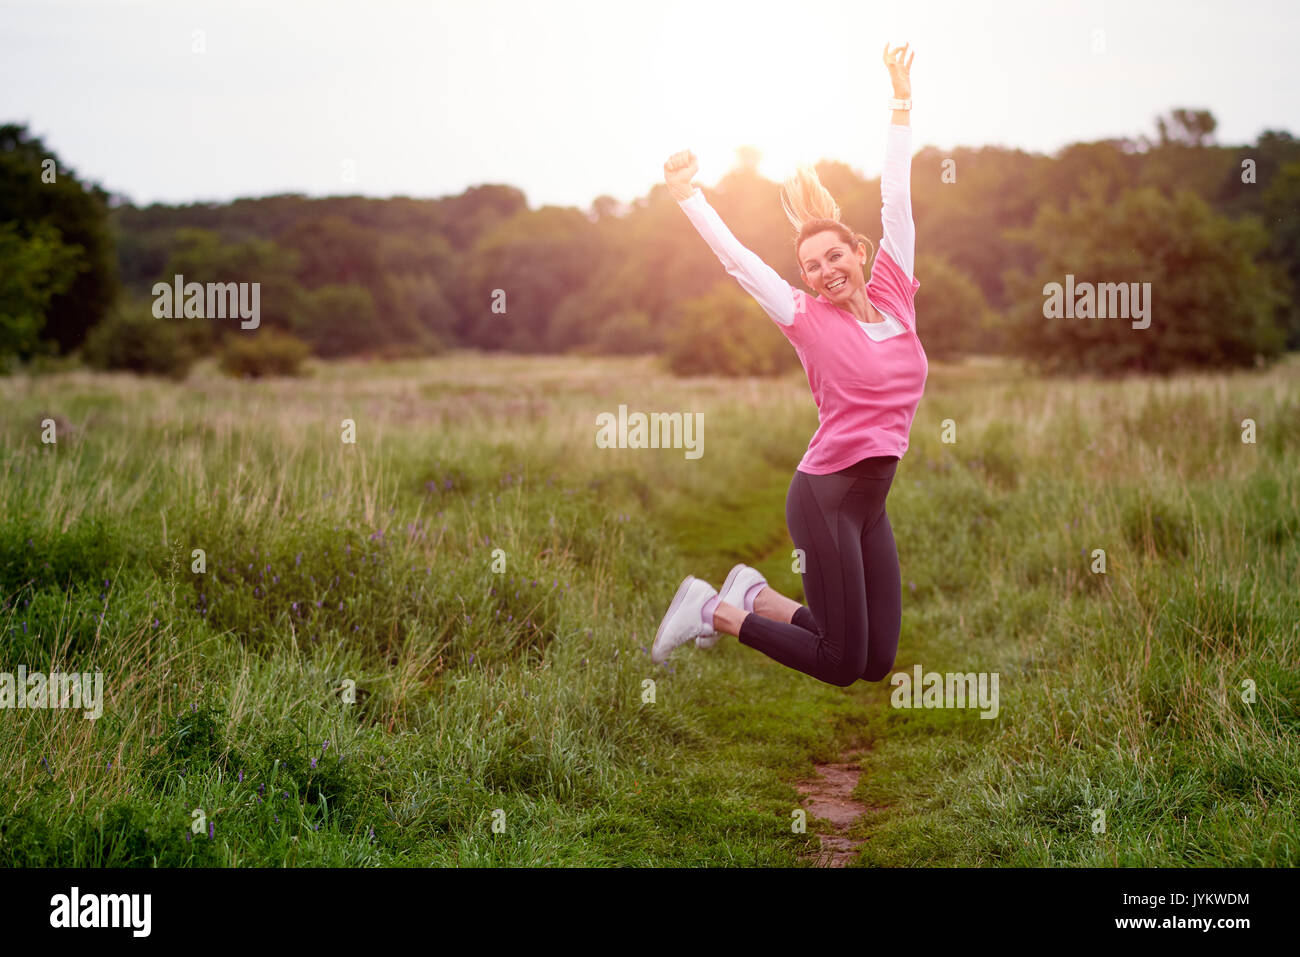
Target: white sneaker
739,581
684,619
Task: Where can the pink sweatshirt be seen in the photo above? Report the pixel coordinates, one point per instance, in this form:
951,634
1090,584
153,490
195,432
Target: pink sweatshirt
867,378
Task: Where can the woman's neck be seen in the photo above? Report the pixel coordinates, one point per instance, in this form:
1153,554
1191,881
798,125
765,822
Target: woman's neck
861,307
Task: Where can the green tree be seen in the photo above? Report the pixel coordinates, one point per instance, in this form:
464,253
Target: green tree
725,332
535,259
339,321
952,317
1211,304
79,213
1282,200
467,217
36,269
200,255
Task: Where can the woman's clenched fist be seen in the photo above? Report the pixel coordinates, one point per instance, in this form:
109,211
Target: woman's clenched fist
679,170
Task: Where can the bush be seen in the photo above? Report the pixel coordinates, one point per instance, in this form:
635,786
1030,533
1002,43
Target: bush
727,333
267,353
952,316
629,332
133,340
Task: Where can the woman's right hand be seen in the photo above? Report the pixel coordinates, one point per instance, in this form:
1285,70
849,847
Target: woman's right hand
679,170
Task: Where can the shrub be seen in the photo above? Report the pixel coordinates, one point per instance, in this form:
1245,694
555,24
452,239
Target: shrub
132,339
952,315
267,353
726,333
629,332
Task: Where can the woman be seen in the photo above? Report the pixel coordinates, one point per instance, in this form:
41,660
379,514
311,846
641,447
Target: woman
866,368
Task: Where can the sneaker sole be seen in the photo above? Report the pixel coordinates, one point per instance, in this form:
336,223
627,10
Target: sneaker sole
678,598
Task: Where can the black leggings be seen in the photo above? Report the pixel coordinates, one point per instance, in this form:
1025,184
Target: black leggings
851,565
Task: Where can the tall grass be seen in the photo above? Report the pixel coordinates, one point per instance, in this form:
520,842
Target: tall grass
485,695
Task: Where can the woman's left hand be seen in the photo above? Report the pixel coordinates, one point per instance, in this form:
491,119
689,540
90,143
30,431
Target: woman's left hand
900,69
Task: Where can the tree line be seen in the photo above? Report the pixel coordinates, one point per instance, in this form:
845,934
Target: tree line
1214,230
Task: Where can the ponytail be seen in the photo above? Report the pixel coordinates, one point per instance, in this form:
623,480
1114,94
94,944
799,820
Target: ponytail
811,209
806,200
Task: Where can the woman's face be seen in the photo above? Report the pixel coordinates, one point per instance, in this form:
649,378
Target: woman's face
830,268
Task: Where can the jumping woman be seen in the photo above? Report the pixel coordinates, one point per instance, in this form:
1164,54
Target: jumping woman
866,368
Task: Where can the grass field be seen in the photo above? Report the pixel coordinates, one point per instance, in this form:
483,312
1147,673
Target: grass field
501,716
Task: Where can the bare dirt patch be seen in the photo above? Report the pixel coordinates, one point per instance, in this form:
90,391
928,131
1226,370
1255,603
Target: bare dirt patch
828,796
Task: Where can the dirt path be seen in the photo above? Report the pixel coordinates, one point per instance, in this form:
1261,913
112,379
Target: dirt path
828,796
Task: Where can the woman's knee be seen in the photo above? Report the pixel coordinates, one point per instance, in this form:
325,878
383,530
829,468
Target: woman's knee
847,667
877,671
841,677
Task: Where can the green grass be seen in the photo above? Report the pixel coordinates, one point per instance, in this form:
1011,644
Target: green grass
518,696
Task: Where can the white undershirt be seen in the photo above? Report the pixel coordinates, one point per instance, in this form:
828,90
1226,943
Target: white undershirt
882,330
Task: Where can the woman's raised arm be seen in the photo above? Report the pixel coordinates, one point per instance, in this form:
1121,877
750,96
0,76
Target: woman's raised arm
899,237
899,231
756,277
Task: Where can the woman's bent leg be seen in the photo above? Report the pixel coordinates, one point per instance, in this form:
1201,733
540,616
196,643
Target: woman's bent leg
825,515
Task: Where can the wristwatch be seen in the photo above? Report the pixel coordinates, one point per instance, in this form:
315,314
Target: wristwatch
896,104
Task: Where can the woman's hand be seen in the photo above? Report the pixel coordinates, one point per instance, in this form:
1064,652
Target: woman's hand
679,170
900,69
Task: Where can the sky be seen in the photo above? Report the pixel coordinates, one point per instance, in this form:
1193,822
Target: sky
180,101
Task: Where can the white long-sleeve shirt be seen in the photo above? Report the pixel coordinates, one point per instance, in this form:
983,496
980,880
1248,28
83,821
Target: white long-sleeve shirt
778,297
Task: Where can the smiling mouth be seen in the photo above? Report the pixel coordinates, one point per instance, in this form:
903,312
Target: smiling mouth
835,285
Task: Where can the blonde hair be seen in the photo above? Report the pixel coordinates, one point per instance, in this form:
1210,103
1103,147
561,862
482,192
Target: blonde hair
811,209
